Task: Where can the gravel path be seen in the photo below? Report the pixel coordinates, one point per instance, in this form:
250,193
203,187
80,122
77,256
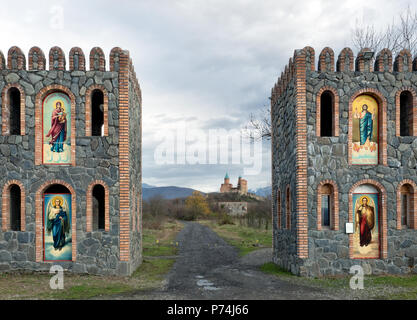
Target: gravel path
209,268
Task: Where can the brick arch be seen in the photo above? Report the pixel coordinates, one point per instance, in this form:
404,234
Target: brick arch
310,54
382,123
101,59
41,63
2,61
88,112
288,208
39,217
398,111
21,59
5,112
399,61
334,218
382,216
380,65
38,120
89,209
61,59
413,215
278,207
341,60
81,59
322,67
5,206
335,100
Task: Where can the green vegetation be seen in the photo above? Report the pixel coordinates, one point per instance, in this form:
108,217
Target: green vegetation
158,248
246,239
375,287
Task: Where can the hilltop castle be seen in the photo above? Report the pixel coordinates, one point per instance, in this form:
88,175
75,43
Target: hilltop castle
70,165
344,154
226,187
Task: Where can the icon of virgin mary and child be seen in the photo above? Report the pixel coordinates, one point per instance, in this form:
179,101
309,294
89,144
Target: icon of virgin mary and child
58,131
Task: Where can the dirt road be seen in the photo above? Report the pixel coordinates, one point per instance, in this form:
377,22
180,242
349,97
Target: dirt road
208,268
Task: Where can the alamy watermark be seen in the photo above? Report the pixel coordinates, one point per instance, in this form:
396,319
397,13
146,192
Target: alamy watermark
57,281
356,281
183,146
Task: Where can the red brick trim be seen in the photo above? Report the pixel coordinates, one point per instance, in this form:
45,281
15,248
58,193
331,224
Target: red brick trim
380,64
322,67
39,218
21,59
2,61
301,154
399,61
5,206
279,209
398,111
413,215
335,105
360,62
88,111
60,58
288,207
97,53
341,60
382,123
89,209
382,216
38,120
41,63
5,113
139,209
81,59
115,54
334,196
309,51
124,164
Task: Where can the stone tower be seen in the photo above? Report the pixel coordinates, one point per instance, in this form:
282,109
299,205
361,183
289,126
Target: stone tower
344,153
70,165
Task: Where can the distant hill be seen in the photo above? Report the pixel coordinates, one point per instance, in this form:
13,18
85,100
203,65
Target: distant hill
165,192
262,192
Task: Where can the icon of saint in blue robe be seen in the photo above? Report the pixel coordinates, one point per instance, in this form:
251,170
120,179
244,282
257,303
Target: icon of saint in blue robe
58,224
365,125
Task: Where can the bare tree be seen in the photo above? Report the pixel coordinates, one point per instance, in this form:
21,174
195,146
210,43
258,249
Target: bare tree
259,126
400,34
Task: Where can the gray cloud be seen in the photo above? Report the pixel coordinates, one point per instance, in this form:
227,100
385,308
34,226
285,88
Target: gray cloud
206,62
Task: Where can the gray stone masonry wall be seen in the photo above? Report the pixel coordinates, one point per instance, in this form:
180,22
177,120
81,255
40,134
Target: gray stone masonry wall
328,159
96,158
283,174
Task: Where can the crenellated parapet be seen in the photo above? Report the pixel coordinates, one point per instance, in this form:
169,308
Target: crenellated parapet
56,60
76,59
366,61
16,59
37,59
345,60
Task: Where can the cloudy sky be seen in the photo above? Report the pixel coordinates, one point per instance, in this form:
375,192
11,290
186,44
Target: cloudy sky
202,65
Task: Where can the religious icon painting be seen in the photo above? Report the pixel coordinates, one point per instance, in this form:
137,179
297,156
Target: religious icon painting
366,226
365,130
57,227
56,125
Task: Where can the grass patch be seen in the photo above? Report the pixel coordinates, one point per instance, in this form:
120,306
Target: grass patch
246,239
375,287
272,268
161,242
149,275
